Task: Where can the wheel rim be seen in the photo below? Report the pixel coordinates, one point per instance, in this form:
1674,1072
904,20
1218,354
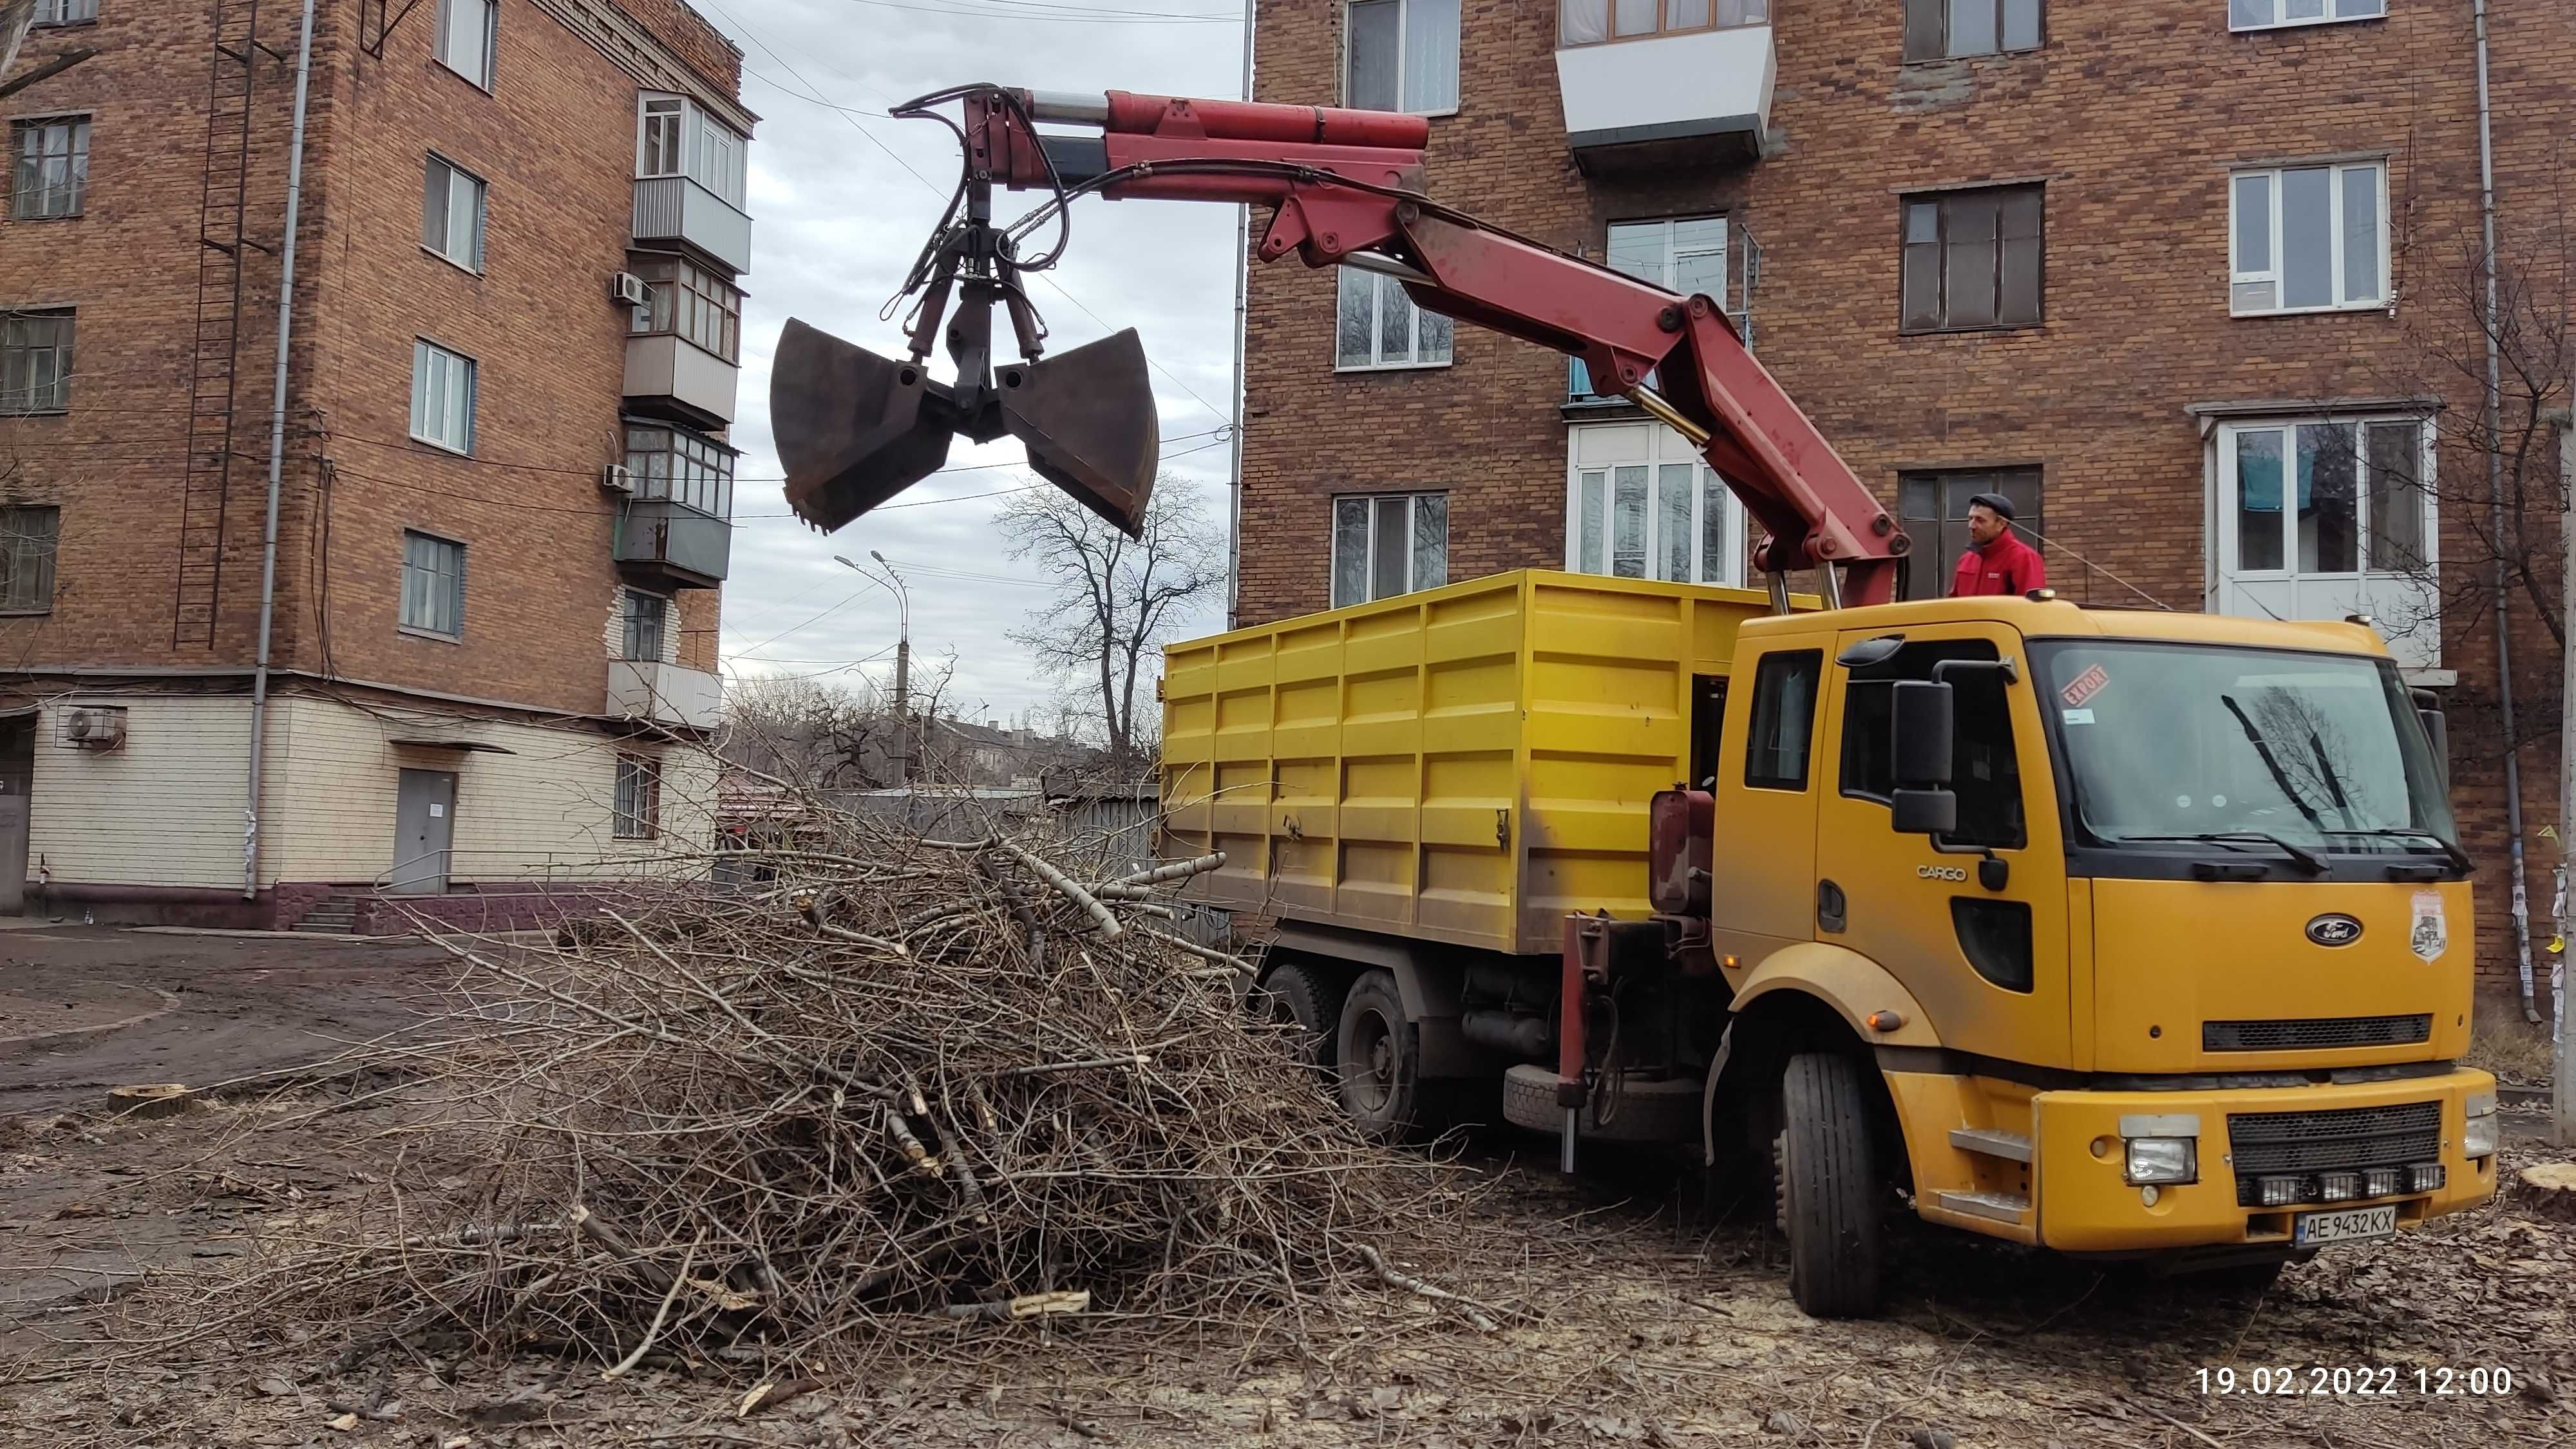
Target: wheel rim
1370,1080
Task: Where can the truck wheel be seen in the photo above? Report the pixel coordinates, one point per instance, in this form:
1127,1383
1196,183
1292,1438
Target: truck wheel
1830,1204
1298,997
1380,1058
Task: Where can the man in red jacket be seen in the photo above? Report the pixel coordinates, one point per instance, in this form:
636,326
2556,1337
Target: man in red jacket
1997,562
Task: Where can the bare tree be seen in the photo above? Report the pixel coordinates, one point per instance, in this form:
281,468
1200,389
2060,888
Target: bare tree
1115,600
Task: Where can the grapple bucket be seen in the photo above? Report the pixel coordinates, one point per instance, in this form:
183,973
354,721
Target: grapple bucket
853,429
1087,418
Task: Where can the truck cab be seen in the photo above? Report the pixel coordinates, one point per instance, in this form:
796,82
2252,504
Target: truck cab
2154,927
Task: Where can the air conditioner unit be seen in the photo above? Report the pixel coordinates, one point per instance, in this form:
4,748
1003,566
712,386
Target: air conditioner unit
617,478
629,289
97,729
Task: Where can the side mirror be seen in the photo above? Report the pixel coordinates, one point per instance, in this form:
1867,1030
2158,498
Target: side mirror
1922,715
1923,812
2439,732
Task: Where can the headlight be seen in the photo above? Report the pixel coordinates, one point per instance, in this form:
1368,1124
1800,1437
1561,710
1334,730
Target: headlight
2162,1159
2483,1132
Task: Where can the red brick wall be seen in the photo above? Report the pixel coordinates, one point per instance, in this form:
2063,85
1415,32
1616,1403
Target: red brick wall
555,140
2134,114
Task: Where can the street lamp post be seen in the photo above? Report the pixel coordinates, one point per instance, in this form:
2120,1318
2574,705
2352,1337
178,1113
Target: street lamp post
893,583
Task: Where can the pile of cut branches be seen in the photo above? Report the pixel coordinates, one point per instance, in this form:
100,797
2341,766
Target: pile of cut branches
895,1083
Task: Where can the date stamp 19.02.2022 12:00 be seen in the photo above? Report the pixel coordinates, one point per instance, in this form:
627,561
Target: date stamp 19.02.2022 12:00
2358,1381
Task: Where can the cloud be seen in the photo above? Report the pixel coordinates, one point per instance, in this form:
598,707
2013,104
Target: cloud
840,204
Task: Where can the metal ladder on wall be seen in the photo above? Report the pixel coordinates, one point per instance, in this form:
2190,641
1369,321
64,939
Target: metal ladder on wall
224,235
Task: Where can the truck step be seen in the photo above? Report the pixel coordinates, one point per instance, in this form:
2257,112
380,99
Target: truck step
2003,1207
1987,1142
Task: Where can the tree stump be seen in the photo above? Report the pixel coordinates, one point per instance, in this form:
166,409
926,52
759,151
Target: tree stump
2548,1190
150,1099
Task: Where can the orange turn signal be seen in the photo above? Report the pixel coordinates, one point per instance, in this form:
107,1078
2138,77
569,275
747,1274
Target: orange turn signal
1886,1020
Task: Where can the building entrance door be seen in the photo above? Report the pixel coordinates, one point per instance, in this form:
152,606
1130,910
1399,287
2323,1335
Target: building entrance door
424,825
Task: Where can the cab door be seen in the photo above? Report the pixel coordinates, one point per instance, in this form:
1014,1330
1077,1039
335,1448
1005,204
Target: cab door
1987,959
1763,851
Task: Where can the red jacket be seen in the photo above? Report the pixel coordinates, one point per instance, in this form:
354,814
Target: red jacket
2005,566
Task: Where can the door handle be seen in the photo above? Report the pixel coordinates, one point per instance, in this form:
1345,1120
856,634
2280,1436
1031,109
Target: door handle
1831,906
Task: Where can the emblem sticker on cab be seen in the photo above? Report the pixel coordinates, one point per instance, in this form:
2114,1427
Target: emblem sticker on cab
2334,929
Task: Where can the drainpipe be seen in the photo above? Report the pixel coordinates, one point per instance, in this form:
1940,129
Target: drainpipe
2495,530
276,458
1242,322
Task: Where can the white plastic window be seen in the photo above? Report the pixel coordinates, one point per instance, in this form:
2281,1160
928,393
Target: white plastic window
2265,14
1642,504
1401,55
442,397
2308,238
467,30
1389,544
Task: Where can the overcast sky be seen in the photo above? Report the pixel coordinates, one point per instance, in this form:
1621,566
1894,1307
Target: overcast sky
837,215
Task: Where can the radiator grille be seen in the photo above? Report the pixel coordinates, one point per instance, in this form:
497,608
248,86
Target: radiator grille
2324,1031
2270,1143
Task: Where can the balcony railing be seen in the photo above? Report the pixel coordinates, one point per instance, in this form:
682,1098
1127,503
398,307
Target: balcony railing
671,545
676,210
672,377
1654,85
664,693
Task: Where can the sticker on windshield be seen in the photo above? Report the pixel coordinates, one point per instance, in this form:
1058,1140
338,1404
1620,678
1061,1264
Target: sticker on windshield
2431,935
2084,686
2077,716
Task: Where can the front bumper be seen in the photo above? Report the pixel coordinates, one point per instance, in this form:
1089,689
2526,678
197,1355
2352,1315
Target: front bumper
2085,1206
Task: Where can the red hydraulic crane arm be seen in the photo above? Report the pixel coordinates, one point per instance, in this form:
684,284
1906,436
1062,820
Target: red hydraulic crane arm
1345,188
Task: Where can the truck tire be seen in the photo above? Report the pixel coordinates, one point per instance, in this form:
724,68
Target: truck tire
1660,1111
1299,997
1830,1201
1379,1057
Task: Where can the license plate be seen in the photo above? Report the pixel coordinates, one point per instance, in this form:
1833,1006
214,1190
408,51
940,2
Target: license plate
2347,1226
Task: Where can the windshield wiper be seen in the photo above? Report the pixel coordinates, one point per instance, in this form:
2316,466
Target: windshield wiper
2309,860
2459,858
2263,748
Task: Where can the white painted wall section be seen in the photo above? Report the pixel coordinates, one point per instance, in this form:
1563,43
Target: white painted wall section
1700,83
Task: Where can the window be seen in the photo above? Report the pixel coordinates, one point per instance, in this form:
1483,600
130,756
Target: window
1985,773
442,397
1401,55
2264,14
1784,720
1972,260
65,12
53,168
1684,254
27,537
644,616
639,797
1935,509
467,30
1642,504
35,362
1378,326
1389,545
2308,238
433,585
1589,22
676,137
451,213
681,467
693,303
2326,497
1938,29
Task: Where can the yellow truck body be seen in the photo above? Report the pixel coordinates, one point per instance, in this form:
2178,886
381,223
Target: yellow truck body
1468,764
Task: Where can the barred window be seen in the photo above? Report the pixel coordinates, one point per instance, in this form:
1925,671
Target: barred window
693,303
27,537
35,362
674,464
52,174
639,797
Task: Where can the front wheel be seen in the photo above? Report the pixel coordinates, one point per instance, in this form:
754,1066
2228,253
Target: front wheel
1830,1204
1380,1060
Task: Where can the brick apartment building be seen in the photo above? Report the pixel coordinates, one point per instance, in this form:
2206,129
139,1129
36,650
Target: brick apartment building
503,495
2117,261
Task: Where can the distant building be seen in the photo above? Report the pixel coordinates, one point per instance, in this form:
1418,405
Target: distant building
505,492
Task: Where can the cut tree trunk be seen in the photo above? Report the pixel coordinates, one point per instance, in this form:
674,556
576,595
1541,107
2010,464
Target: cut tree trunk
2548,1190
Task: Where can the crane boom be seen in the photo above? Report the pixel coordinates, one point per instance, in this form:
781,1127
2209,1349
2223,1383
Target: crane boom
1344,188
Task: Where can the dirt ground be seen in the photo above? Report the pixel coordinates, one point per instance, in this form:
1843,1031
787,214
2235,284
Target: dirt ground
1622,1325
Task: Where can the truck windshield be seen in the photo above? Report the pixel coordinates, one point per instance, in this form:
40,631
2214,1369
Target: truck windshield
2321,751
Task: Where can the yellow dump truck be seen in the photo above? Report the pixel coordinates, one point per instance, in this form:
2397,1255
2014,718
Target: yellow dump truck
2139,935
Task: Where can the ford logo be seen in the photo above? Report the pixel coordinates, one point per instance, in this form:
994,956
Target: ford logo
2334,930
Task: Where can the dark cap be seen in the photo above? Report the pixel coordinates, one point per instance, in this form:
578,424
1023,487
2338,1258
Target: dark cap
2000,504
